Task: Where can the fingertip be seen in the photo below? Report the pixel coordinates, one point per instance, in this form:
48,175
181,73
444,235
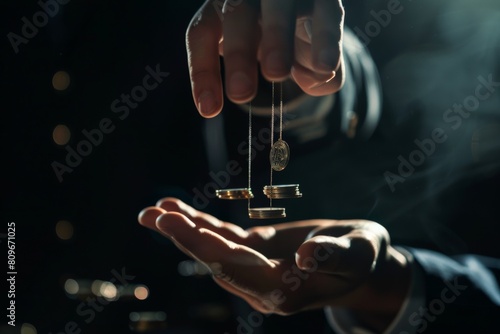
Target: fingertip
276,66
298,260
166,203
211,115
304,255
241,101
164,221
241,86
208,105
172,204
147,217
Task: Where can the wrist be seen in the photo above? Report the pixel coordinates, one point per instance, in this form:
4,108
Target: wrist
382,297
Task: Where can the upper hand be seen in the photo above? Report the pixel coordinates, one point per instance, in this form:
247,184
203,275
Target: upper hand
301,39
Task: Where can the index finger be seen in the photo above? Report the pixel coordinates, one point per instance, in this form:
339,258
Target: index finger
202,45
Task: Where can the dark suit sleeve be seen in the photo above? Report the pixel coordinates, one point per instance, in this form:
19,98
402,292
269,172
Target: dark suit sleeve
461,293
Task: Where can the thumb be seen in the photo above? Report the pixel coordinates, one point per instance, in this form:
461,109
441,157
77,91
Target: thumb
352,255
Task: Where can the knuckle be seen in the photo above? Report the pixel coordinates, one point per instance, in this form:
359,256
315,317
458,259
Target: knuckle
199,75
379,232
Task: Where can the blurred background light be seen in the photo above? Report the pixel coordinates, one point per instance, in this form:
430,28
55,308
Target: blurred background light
96,287
147,316
64,230
143,322
61,80
211,311
61,134
108,290
71,286
28,329
141,292
192,268
134,316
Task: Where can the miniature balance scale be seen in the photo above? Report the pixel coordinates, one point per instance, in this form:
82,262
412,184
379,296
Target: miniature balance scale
279,157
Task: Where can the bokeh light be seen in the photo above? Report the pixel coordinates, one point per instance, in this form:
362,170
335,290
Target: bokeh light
71,286
28,329
61,80
108,290
141,292
64,230
96,287
61,134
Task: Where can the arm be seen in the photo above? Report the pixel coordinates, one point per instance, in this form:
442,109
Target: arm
460,293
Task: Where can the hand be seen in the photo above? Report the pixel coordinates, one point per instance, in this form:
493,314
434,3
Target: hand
297,38
291,267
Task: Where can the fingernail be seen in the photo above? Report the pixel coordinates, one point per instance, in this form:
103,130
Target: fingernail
206,103
275,64
327,60
239,85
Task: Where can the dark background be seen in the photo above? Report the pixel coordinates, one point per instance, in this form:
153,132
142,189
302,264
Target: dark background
158,150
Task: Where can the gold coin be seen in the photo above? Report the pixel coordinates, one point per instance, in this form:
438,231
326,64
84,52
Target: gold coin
279,155
266,213
236,193
282,191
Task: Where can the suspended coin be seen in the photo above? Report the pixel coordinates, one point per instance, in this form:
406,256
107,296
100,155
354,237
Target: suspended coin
237,193
282,191
279,155
266,213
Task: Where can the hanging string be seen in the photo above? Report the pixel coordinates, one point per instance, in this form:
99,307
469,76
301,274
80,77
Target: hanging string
281,111
272,138
249,150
